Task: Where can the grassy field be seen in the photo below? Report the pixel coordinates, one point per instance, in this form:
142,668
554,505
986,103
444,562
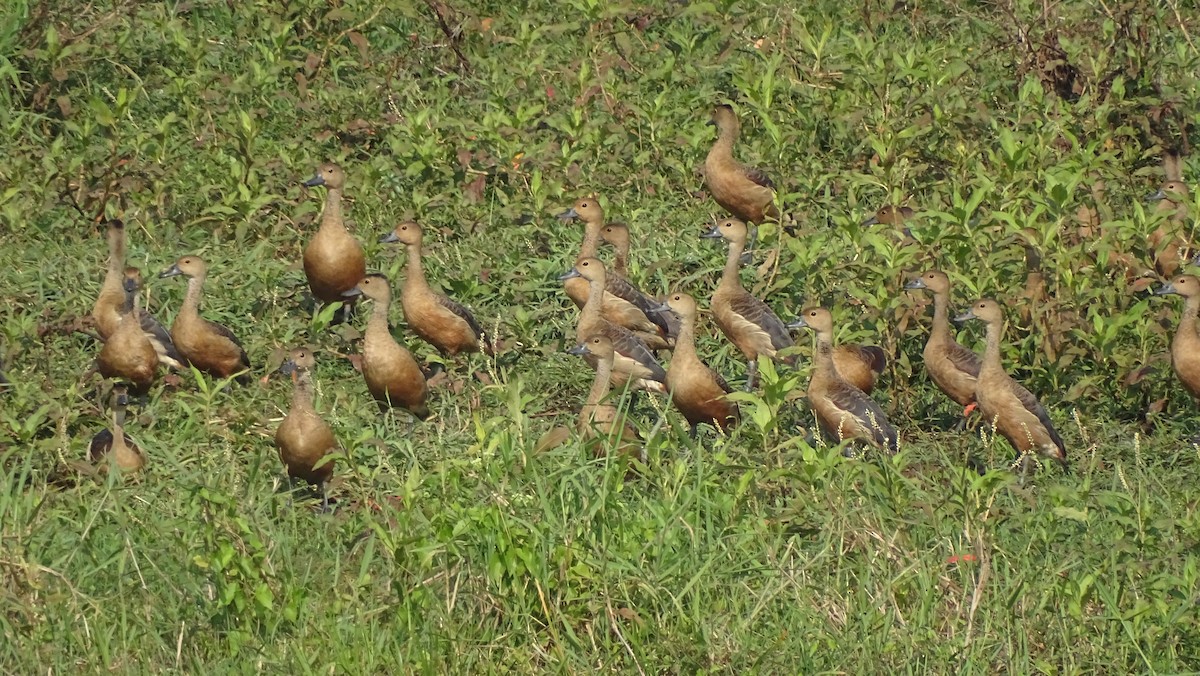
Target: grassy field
1013,127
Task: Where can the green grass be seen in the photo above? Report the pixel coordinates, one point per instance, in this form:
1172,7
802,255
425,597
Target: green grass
453,545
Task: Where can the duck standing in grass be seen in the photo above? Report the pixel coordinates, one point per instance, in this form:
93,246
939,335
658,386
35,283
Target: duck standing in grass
1185,346
843,411
114,443
393,377
1013,410
599,418
745,192
304,439
209,346
952,367
109,306
696,390
128,354
333,260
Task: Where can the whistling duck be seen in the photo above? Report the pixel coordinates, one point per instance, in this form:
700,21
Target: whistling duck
633,359
1167,242
843,411
743,191
333,260
209,346
1185,347
438,320
106,311
598,418
617,235
623,303
155,332
128,354
393,376
745,320
696,390
953,368
115,443
892,216
1005,403
304,438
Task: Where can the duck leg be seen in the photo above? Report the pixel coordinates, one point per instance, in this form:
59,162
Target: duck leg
694,431
751,375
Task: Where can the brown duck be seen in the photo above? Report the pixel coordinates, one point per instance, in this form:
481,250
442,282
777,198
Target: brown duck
128,355
393,377
115,443
696,390
209,346
843,411
953,368
617,236
1005,403
1185,347
304,438
599,418
633,359
333,260
745,192
438,320
1167,242
892,216
623,303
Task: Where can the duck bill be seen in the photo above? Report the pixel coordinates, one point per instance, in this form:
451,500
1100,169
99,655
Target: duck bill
1160,195
798,324
870,221
712,233
568,215
1165,290
389,238
966,316
579,350
315,181
172,271
352,293
288,367
917,283
569,274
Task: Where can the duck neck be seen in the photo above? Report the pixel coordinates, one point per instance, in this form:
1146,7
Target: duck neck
685,342
730,276
941,314
331,217
823,359
302,393
600,385
116,259
621,259
991,353
379,316
595,298
1191,309
591,238
416,269
727,135
191,302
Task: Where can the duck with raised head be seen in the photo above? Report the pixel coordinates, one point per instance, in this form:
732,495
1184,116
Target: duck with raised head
443,323
209,346
745,320
1005,404
633,361
745,192
106,311
893,217
843,411
393,377
599,418
304,439
617,236
114,443
696,390
623,303
128,354
952,367
333,259
154,331
1185,346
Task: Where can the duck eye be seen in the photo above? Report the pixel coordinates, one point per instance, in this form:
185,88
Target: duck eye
583,206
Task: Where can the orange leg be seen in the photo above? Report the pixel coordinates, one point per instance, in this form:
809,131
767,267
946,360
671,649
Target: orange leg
970,407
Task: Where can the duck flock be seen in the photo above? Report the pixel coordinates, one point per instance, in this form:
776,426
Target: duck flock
621,332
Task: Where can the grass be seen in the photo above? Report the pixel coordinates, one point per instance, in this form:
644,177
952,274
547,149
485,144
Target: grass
454,546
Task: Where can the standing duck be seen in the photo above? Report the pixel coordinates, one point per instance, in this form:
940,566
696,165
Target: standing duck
1005,403
843,411
953,368
617,236
304,438
1185,347
633,359
114,443
745,192
696,390
393,376
128,354
154,331
209,346
745,320
623,303
1167,242
599,419
438,320
333,260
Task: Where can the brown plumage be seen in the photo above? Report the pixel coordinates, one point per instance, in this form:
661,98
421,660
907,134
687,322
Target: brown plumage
892,216
633,360
114,443
1004,402
623,303
745,192
393,376
438,320
1185,347
106,311
304,438
1167,243
745,320
696,390
953,368
154,331
128,355
617,235
209,346
333,260
843,411
599,418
